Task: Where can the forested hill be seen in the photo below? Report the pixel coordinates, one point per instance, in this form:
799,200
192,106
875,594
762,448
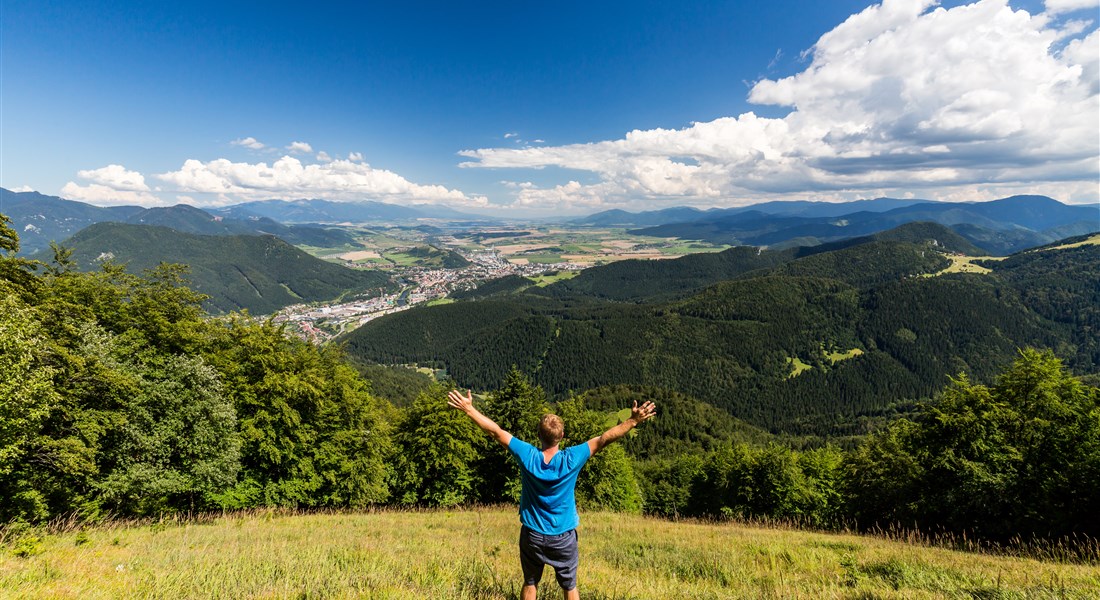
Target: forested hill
650,280
813,344
258,273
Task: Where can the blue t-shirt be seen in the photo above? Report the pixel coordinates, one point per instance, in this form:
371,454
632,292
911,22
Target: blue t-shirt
547,503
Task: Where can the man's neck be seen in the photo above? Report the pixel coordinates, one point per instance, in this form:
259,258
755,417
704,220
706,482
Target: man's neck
549,452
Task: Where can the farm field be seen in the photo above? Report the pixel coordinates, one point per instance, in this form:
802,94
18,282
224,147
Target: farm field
471,554
383,247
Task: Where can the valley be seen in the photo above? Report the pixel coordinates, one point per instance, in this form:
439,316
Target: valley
431,262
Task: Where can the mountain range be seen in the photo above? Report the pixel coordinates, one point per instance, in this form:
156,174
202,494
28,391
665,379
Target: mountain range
327,211
681,214
40,219
999,226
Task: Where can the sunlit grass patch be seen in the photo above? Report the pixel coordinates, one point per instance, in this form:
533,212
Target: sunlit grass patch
546,279
471,554
835,357
797,366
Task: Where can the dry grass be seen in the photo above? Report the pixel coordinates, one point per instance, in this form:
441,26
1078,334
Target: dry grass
472,554
965,264
1093,240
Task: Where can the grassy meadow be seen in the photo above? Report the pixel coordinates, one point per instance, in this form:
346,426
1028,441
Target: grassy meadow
472,554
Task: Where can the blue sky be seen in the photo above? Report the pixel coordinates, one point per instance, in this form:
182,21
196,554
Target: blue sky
549,108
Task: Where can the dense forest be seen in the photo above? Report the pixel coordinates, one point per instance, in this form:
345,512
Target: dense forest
825,341
119,396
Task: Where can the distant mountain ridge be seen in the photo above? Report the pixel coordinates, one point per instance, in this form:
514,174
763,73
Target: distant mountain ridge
258,273
40,219
794,208
327,211
998,226
188,219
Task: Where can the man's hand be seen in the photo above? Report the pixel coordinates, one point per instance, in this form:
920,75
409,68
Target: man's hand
639,414
457,401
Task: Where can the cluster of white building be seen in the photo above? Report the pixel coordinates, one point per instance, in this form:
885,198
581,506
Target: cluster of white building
319,323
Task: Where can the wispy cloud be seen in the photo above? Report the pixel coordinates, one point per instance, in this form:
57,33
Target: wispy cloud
249,142
899,96
299,148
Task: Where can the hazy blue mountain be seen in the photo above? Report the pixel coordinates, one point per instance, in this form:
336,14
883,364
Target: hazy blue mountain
327,211
438,211
260,273
806,208
622,218
188,219
792,208
40,219
999,226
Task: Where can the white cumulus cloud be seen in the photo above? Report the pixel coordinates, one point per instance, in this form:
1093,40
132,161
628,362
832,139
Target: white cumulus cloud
1063,6
903,95
249,142
111,185
289,178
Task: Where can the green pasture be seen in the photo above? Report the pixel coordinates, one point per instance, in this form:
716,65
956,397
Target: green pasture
545,279
471,554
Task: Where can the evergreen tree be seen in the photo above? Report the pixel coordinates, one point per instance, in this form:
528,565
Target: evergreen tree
517,407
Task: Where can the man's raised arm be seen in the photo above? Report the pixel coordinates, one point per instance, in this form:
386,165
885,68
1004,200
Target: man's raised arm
638,414
457,401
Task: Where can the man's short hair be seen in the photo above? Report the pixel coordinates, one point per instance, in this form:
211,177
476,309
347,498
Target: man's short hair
551,430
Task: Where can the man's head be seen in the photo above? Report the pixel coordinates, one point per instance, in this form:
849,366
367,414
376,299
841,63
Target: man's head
551,430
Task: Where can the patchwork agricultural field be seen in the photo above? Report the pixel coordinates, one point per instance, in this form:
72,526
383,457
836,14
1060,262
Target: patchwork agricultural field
388,247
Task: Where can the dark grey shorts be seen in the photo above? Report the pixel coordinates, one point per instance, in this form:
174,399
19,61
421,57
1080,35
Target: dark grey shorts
559,551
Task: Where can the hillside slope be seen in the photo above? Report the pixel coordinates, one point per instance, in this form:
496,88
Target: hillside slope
258,273
811,345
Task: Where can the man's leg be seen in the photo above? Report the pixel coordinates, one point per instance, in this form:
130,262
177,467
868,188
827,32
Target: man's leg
572,594
532,561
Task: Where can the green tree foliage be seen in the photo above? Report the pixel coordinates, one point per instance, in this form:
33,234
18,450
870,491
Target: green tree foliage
439,451
16,274
176,442
516,406
400,385
117,393
608,481
1017,458
311,433
27,397
764,482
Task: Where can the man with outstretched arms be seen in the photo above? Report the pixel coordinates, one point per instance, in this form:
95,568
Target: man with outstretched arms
547,506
